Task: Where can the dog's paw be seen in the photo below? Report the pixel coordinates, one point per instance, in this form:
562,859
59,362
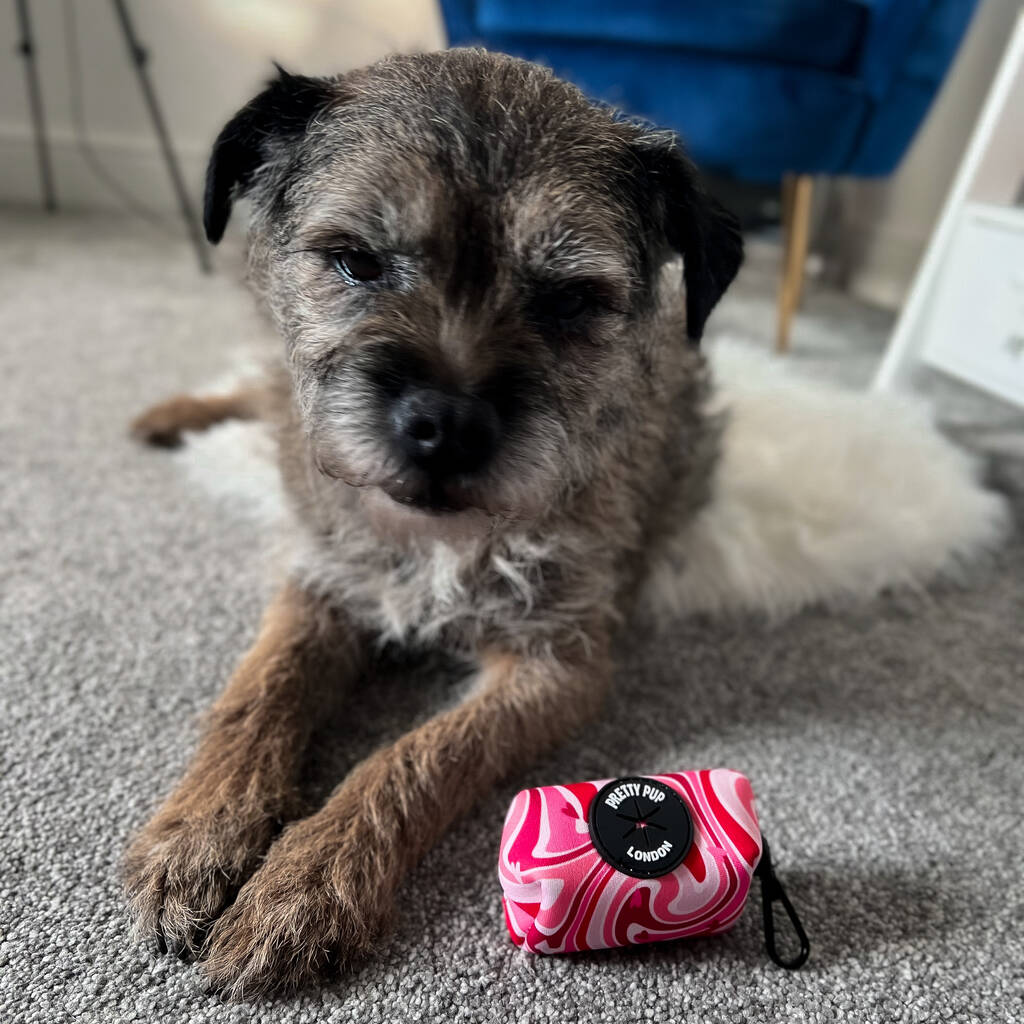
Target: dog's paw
183,869
161,425
297,922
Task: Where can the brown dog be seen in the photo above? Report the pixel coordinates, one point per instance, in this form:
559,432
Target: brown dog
491,416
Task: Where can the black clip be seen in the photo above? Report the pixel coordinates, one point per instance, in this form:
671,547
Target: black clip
771,890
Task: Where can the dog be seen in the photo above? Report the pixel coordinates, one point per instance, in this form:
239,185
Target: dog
490,416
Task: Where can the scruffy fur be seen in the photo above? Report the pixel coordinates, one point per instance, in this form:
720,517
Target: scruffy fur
495,197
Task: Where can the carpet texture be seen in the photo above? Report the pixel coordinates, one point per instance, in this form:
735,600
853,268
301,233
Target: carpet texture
884,742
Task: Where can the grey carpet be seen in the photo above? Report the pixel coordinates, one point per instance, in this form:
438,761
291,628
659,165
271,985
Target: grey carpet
884,743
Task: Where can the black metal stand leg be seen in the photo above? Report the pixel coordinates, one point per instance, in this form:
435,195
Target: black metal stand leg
139,57
26,48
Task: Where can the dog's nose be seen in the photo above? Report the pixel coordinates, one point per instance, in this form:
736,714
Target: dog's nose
444,434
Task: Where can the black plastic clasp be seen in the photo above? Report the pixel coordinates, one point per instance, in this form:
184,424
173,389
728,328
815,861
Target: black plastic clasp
771,890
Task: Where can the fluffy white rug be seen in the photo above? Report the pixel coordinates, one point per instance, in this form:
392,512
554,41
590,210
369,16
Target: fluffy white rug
822,494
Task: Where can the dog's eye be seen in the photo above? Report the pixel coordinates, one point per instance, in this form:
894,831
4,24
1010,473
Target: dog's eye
565,303
358,265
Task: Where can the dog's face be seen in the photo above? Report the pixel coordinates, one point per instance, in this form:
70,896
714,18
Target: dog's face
465,257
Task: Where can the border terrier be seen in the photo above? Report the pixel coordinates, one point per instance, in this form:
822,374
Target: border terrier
490,418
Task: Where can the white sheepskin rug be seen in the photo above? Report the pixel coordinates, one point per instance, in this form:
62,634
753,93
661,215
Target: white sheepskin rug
822,495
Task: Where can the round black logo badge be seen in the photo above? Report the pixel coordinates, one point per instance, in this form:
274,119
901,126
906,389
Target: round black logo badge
640,826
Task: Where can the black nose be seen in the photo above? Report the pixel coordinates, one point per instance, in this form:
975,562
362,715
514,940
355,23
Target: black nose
444,434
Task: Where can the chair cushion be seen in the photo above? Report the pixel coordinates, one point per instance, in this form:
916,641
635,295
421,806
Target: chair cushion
798,32
753,120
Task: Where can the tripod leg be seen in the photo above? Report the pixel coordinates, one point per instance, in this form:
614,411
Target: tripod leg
139,57
26,47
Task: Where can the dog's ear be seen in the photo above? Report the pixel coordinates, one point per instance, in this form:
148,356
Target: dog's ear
284,109
696,225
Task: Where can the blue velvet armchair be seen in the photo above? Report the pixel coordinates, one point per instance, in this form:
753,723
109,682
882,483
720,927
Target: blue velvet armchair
758,89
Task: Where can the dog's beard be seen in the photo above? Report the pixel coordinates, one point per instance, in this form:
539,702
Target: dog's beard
527,479
403,523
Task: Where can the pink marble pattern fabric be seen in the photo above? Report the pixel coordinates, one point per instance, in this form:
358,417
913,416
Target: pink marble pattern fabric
560,896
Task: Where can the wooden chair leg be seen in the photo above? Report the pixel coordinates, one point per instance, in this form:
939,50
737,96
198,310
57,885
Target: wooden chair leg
801,235
796,222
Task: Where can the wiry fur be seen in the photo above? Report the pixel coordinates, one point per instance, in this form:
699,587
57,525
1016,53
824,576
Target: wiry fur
488,185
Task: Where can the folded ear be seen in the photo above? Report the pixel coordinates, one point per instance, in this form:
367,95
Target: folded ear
252,137
695,225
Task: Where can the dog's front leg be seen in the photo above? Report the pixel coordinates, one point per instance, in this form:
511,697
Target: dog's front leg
209,835
326,889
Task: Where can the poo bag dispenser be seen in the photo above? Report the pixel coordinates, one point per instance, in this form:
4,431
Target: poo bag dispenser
620,862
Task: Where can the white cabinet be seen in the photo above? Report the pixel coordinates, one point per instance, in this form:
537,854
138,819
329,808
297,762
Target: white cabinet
965,311
975,323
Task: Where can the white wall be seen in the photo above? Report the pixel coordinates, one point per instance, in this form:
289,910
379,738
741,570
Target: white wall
208,57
